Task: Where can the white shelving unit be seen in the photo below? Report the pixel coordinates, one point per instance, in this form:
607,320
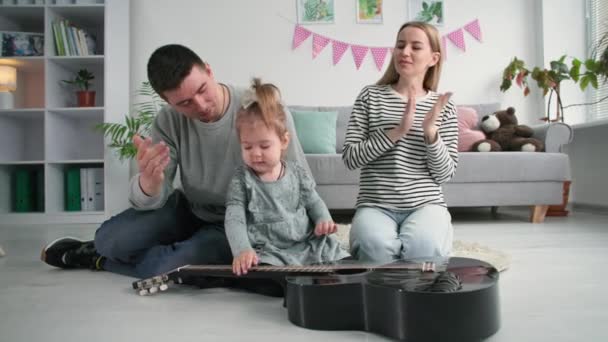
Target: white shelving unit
46,131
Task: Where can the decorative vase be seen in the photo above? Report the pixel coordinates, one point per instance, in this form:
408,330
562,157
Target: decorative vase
86,98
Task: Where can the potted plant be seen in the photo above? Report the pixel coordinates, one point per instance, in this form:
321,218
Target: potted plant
139,122
86,97
584,73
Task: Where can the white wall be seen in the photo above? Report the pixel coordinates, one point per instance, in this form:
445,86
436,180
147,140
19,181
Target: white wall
564,33
245,38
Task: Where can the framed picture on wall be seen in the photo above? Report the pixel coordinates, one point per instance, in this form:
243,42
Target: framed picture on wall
428,11
369,11
315,11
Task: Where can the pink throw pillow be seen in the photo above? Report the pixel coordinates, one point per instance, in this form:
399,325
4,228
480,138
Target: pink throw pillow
468,133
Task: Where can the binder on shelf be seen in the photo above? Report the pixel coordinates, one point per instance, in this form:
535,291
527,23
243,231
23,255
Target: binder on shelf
96,191
24,191
92,189
39,172
84,194
72,189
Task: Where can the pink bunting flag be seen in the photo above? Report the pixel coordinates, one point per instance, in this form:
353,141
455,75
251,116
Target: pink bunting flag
318,44
457,37
474,29
359,52
339,48
444,47
379,56
300,34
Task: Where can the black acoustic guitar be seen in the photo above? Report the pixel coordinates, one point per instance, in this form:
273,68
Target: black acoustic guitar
448,299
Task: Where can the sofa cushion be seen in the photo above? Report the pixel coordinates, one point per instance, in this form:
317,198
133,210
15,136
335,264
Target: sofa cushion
479,167
341,122
468,131
330,169
316,130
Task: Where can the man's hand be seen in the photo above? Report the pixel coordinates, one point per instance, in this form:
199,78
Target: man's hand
242,263
429,125
325,228
152,159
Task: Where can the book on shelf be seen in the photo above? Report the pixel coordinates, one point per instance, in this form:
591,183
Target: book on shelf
71,40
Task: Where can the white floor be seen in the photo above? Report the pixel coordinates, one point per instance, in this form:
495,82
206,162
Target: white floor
555,290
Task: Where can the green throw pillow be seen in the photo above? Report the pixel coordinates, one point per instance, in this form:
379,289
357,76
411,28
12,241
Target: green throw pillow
316,130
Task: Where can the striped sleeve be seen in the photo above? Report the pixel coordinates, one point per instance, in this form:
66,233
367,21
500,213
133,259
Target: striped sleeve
443,153
360,145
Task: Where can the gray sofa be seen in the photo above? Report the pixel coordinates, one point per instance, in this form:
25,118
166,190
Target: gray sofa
482,179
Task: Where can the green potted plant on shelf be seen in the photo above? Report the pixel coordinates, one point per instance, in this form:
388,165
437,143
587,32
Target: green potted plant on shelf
82,81
139,122
583,73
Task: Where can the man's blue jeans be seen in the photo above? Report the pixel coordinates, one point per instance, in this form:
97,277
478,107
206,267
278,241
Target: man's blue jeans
142,244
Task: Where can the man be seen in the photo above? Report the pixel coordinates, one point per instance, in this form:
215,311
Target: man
166,229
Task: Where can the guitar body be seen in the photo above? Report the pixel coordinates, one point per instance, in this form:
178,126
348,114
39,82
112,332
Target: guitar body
391,303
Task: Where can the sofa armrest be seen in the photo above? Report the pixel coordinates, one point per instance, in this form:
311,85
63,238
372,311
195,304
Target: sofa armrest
554,135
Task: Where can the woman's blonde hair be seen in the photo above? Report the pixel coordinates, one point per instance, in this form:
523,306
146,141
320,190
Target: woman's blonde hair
431,79
262,102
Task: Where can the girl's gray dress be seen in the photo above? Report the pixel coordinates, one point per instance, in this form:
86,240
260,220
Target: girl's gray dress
277,219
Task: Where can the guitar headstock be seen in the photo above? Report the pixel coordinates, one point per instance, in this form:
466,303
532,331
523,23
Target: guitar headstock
150,286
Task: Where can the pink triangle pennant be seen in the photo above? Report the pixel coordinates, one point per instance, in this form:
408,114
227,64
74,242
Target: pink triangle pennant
379,56
457,37
319,43
474,29
339,48
300,34
359,52
444,48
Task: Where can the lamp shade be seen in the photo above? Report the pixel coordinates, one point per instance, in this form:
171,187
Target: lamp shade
8,78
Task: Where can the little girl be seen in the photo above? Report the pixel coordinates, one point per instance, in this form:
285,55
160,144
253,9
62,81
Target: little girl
273,213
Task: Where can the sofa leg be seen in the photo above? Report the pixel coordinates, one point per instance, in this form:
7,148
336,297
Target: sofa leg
537,213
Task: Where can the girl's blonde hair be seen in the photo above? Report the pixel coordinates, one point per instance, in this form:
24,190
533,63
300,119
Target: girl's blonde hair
262,102
431,79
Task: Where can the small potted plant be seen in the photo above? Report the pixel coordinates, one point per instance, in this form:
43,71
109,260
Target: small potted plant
86,97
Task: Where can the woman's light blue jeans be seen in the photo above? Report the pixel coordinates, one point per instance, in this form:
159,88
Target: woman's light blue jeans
382,235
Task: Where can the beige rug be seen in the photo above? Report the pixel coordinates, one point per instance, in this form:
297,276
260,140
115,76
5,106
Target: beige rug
500,260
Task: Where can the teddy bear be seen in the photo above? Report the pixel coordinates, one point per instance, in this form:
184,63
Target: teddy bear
469,132
504,134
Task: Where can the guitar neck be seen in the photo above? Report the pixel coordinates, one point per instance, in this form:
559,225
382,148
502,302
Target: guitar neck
309,268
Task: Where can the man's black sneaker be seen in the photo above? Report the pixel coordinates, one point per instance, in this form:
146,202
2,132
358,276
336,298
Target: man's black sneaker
69,252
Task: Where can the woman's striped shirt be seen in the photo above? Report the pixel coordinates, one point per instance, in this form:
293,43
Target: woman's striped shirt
403,175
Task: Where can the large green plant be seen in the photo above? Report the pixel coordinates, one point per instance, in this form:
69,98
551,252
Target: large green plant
583,73
139,122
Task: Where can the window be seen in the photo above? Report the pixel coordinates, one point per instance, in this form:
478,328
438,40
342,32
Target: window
598,29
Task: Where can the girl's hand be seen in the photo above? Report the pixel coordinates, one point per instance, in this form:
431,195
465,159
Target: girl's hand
429,125
325,228
407,120
152,159
242,263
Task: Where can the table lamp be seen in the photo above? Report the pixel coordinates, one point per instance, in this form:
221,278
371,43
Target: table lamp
8,83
